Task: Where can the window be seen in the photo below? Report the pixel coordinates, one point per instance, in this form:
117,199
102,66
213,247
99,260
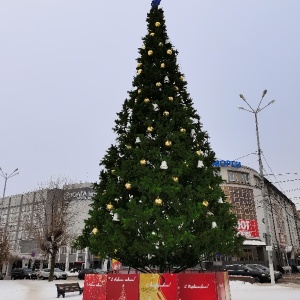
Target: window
232,176
244,177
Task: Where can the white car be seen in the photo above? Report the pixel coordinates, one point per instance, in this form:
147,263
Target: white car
58,274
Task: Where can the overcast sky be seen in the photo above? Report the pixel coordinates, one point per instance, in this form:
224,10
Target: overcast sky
66,67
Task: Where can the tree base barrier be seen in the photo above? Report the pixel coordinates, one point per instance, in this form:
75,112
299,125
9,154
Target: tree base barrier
183,286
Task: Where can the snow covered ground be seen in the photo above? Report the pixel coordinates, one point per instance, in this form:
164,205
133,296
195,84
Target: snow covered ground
44,290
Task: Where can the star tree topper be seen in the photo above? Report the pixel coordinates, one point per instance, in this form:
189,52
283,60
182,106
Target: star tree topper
155,3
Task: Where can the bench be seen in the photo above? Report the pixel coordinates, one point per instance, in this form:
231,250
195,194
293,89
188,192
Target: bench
63,288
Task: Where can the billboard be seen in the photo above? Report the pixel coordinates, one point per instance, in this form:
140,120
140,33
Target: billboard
248,228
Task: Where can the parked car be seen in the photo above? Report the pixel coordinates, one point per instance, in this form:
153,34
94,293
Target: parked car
58,274
1,276
246,270
277,274
23,273
83,272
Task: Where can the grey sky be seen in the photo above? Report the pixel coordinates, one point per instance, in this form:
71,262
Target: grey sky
66,67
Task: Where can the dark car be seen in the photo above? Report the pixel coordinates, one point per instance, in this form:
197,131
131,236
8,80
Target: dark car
246,270
83,272
1,276
277,274
23,273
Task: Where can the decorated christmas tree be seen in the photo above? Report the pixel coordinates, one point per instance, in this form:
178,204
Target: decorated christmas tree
159,205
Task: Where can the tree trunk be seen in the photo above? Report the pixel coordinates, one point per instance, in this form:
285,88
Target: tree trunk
52,264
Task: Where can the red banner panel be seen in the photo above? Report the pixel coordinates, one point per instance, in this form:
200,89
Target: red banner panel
95,287
248,228
197,286
122,287
158,286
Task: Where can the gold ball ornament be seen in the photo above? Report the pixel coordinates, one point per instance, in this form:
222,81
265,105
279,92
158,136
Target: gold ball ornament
181,78
157,24
158,84
146,100
152,34
199,152
150,128
139,71
128,185
150,52
175,178
162,65
143,162
95,230
168,143
158,201
166,113
171,98
139,64
176,88
182,130
109,206
169,51
205,203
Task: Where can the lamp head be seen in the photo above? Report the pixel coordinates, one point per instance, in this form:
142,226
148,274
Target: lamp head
264,93
242,97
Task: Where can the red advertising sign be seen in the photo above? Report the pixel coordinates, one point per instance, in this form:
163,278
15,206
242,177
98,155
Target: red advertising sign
158,286
94,287
248,228
123,287
197,286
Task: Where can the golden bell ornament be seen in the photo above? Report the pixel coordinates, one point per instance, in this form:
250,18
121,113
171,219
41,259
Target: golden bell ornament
181,78
162,65
146,100
171,98
168,143
166,113
139,71
150,129
128,146
128,185
161,44
113,171
157,24
152,34
205,203
175,178
143,162
169,51
139,91
198,152
182,130
150,52
109,206
139,64
158,201
158,84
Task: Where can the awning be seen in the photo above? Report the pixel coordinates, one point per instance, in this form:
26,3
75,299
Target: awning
254,243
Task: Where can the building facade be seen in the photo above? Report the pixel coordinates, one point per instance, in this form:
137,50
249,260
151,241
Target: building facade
242,186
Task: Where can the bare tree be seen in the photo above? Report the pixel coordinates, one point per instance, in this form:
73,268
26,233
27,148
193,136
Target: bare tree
5,246
50,225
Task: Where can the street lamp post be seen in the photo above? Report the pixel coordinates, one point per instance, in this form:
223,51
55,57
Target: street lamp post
265,200
6,177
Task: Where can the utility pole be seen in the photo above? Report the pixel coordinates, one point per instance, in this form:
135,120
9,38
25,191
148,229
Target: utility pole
269,246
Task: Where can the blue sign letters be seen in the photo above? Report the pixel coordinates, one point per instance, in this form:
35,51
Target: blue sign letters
227,163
